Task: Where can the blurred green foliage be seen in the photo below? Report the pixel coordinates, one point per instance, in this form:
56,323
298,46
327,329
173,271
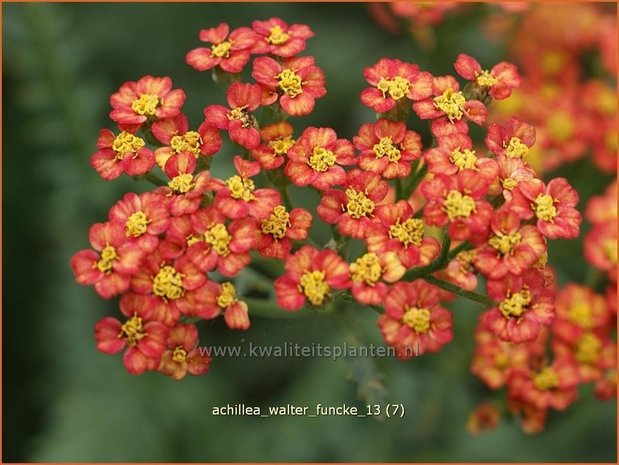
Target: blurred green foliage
64,401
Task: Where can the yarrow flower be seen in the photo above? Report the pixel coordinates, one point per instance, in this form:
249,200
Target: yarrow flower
498,82
121,153
274,36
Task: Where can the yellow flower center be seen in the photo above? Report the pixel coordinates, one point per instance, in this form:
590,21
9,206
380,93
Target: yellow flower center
188,142
227,296
417,319
451,103
409,232
241,114
125,143
314,286
108,256
560,126
278,223
192,239
463,159
322,159
182,183
366,268
241,188
610,250
580,315
501,360
396,88
168,283
465,260
458,205
385,147
281,145
516,304
516,148
588,349
546,379
485,79
132,330
290,83
358,204
179,355
504,243
544,207
221,50
509,183
136,224
218,238
277,36
146,104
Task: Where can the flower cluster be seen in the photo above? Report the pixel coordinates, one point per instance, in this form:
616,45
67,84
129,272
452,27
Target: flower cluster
430,221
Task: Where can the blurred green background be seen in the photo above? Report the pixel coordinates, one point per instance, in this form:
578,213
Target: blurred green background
64,401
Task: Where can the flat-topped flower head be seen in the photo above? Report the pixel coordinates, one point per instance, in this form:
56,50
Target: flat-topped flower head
279,39
296,83
121,153
498,82
449,160
150,98
370,273
276,141
221,298
276,232
229,50
310,278
184,189
182,354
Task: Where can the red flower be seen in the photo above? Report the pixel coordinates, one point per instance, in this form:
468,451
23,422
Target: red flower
316,157
237,197
525,305
511,248
387,148
277,38
222,298
143,339
498,82
414,322
297,82
451,134
149,98
221,247
395,229
144,218
446,100
112,262
366,273
512,139
601,248
392,80
461,270
457,201
310,276
512,171
229,52
580,310
449,161
238,120
175,133
276,141
123,153
552,205
183,354
275,233
352,209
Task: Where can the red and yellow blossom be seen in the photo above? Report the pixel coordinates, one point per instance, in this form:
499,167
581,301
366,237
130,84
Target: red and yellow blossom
458,202
221,298
276,141
238,120
111,264
552,205
144,339
600,246
450,134
237,197
144,218
297,83
485,417
392,81
451,160
275,233
367,272
461,270
317,158
524,305
122,153
150,98
182,353
175,134
512,171
512,139
352,209
274,36
229,50
387,148
511,248
498,82
310,276
414,322
220,246
395,229
592,353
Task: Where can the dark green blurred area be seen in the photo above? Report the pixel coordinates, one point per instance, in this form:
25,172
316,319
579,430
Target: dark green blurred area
64,401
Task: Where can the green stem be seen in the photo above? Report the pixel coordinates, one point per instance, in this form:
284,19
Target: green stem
398,189
446,285
285,197
154,179
267,308
438,263
415,181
